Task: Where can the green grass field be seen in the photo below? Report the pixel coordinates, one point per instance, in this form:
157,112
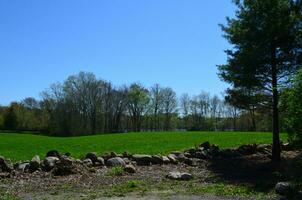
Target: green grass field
25,146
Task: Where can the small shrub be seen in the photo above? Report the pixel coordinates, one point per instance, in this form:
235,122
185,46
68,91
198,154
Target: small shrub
116,171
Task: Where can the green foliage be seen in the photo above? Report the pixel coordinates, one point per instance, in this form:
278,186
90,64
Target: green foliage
116,171
10,117
292,106
266,39
25,146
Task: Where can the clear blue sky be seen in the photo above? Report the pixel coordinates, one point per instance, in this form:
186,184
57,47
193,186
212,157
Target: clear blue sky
175,43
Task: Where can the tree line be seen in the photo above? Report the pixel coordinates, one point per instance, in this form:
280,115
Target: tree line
83,105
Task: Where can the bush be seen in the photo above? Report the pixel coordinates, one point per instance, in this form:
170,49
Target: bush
292,107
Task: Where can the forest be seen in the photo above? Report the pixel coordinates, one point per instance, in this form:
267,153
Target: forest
84,104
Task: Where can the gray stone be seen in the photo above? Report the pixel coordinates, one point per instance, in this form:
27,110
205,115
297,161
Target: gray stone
64,167
166,160
87,162
53,153
205,145
180,157
115,162
4,165
100,161
172,159
142,160
202,154
92,156
130,169
179,176
49,163
285,189
23,167
34,164
157,160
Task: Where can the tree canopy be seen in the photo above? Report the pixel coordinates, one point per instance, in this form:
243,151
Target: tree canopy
266,39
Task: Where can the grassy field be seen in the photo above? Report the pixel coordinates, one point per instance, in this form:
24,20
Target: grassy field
25,146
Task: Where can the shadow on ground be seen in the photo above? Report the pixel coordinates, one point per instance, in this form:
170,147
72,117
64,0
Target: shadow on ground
257,172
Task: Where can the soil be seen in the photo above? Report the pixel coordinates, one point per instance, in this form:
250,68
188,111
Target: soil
254,172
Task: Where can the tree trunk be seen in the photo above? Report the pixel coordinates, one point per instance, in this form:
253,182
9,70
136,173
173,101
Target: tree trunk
276,151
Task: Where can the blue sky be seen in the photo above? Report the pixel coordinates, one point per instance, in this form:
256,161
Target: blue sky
175,43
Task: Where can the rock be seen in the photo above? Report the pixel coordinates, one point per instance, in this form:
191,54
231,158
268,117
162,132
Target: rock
176,153
142,160
127,160
92,156
64,167
214,151
115,162
192,162
172,159
166,160
113,154
4,165
34,164
49,163
188,161
205,145
202,154
53,153
229,153
287,147
285,189
127,155
157,160
180,157
187,155
23,167
190,153
264,148
179,176
87,162
100,161
130,169
247,149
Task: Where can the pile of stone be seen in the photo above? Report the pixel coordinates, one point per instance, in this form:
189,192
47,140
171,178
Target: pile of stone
64,164
287,190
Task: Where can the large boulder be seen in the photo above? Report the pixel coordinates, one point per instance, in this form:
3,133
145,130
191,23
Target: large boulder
53,153
49,163
4,165
64,167
157,160
34,164
142,160
179,176
285,189
23,166
115,162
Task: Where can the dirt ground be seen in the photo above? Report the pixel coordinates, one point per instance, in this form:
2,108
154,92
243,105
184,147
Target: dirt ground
249,177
